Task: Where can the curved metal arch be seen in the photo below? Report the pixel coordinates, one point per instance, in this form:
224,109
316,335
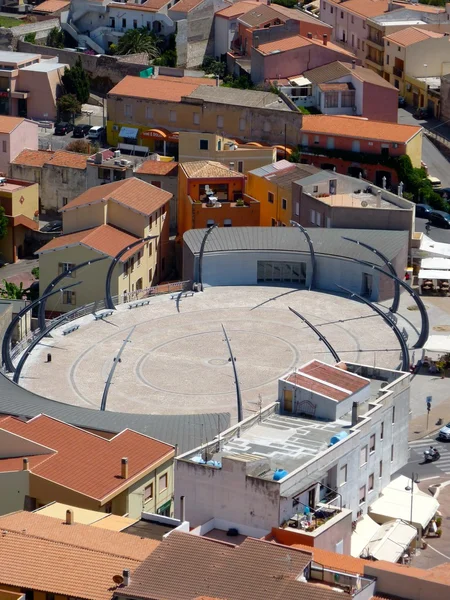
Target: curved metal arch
425,329
58,278
387,262
200,256
43,333
321,337
311,252
236,378
108,299
6,355
392,325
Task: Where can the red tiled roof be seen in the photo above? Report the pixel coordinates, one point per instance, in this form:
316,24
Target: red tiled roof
87,463
359,128
171,89
9,465
334,376
366,8
134,193
298,41
185,6
33,158
158,167
8,124
236,9
50,6
333,560
412,35
58,158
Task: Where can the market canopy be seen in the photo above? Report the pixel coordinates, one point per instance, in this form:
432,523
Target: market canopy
436,262
364,531
437,343
433,274
390,541
128,132
429,246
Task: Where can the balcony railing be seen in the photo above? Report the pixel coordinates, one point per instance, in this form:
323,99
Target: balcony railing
375,59
397,72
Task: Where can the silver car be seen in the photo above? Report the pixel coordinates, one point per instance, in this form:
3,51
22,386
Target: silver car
444,433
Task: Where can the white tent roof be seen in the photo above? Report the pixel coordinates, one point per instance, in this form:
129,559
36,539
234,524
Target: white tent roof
432,274
364,531
429,246
436,263
395,503
391,540
437,343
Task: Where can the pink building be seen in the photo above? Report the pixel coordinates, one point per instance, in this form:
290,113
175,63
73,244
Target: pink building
292,56
15,134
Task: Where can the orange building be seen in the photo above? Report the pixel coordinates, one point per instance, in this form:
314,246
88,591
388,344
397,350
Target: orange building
209,194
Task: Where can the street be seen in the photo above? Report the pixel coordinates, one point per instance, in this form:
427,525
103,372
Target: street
438,234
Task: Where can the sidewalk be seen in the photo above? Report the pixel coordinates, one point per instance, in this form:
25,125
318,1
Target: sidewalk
418,425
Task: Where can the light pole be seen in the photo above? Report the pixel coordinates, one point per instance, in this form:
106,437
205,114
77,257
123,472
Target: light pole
311,251
414,479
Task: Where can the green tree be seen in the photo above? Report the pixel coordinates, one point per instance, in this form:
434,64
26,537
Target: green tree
35,272
211,66
55,38
82,147
30,37
76,82
136,41
11,291
68,106
243,82
4,221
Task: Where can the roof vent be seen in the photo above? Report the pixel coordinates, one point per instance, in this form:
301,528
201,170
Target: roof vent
69,517
25,464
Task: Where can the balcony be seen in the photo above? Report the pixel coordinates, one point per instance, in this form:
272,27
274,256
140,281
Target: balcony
377,61
398,72
375,43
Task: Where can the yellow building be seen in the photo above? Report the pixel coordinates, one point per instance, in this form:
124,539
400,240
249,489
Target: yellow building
46,460
102,221
212,146
20,200
272,187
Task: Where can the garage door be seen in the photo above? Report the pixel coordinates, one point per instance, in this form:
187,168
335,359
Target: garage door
292,272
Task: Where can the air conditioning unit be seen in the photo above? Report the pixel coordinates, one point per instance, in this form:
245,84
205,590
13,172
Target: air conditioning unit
115,128
408,87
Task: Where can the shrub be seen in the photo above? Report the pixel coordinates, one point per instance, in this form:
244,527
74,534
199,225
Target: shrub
30,37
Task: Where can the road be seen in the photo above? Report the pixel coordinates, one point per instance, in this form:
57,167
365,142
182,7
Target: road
438,165
437,234
416,464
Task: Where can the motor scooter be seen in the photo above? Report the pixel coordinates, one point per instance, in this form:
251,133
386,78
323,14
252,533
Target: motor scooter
431,456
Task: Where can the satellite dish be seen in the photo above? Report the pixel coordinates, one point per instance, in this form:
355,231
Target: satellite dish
364,203
118,579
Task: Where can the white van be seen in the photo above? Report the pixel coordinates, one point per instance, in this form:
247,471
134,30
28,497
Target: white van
435,182
96,133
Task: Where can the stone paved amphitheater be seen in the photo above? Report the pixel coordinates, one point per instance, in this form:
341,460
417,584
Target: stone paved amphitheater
176,361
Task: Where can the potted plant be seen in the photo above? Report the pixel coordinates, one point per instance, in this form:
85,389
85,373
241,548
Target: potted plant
439,533
438,521
240,202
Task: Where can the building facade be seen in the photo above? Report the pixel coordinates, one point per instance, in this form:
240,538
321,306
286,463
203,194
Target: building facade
16,133
20,200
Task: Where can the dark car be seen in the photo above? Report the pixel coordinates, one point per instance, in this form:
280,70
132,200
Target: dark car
443,192
63,128
423,211
80,131
52,227
439,218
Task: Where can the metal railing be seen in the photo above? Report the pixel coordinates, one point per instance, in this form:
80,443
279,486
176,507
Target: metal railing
397,72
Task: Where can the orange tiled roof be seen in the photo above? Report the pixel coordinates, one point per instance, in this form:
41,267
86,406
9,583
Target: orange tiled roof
81,536
209,169
170,89
366,8
50,6
33,158
85,462
105,239
359,128
412,35
236,9
8,124
31,563
148,6
58,158
185,6
332,560
132,192
9,465
297,41
158,167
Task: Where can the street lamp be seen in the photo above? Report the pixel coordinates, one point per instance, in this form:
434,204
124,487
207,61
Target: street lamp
414,479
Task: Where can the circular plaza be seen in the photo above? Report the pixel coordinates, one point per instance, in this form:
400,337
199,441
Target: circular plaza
175,358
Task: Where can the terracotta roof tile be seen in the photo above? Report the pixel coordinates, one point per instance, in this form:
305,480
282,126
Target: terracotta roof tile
335,87
8,465
338,69
425,8
260,15
78,535
298,41
209,169
8,124
236,9
441,573
366,8
57,568
85,462
132,192
148,6
158,167
335,376
185,6
171,89
332,560
412,35
33,158
358,127
59,158
50,6
299,15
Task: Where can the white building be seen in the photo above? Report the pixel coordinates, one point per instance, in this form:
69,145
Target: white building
331,442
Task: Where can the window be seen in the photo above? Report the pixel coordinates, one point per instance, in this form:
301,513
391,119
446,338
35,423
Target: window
149,112
65,200
358,43
69,298
315,189
331,99
156,184
104,173
64,176
240,166
392,453
242,124
4,145
362,494
150,276
125,269
124,23
382,431
387,59
172,116
128,110
270,197
210,223
343,475
331,10
150,249
362,45
150,222
318,219
371,480
398,48
204,144
396,84
372,444
324,6
353,39
284,204
148,492
163,482
393,414
66,267
364,24
316,139
227,223
381,469
139,258
328,222
196,118
297,209
353,20
342,14
49,596
312,216
363,456
219,121
135,26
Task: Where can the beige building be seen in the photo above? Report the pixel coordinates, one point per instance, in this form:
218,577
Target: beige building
46,460
162,174
20,200
101,222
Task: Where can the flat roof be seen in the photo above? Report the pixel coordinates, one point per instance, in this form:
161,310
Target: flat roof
252,98
17,57
45,66
357,200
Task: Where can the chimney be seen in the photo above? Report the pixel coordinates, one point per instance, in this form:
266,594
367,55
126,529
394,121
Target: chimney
325,39
353,64
126,577
182,509
25,464
69,517
309,35
256,42
124,469
354,413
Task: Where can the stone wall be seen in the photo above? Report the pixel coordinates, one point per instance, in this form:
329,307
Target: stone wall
445,98
10,36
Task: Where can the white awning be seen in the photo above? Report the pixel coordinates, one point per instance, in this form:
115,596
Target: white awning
435,263
395,503
364,531
432,248
437,343
433,274
390,541
300,81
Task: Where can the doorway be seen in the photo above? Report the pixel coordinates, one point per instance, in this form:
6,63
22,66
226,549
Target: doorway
312,498
367,286
287,400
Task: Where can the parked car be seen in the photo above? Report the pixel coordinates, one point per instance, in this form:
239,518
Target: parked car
439,218
444,192
96,133
52,227
401,102
423,211
80,131
444,432
435,181
421,113
63,128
